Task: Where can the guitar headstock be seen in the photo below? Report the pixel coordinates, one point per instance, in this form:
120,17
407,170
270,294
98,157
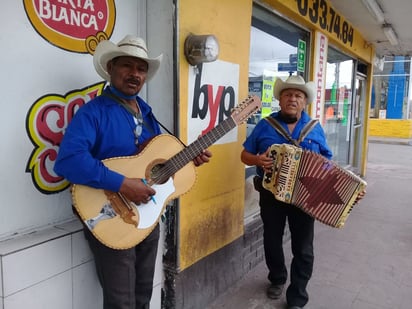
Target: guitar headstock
246,108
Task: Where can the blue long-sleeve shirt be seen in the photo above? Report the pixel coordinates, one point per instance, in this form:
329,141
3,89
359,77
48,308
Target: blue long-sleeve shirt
264,135
101,129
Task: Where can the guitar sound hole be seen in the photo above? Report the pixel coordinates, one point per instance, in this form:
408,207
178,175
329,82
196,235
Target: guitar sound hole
159,174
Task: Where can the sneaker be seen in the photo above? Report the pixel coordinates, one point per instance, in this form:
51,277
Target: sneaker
274,291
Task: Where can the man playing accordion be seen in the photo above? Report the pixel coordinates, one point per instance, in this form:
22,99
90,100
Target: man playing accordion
293,95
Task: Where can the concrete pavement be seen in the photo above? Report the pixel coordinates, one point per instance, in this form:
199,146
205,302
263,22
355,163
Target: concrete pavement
365,265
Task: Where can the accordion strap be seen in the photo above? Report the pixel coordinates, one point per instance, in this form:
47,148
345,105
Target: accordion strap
305,131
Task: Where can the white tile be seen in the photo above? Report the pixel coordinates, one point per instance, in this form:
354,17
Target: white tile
25,241
29,239
30,266
158,275
53,293
156,301
1,277
87,293
71,226
81,251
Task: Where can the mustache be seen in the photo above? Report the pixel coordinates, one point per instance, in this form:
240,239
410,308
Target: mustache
134,80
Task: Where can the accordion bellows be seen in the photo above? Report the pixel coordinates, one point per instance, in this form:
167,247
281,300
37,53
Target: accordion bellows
316,185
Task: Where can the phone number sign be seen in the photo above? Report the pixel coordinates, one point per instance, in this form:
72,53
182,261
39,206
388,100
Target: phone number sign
323,15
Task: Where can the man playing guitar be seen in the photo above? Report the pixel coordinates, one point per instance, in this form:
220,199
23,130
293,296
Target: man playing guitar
114,124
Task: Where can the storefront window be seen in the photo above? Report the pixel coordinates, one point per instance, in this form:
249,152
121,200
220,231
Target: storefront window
338,104
391,89
273,53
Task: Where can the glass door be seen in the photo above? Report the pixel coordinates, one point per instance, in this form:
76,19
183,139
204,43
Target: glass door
338,105
357,123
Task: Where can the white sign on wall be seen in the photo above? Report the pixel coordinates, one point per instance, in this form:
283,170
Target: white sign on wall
213,93
320,63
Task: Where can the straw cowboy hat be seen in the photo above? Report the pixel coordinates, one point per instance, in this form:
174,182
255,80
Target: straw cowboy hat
130,46
295,82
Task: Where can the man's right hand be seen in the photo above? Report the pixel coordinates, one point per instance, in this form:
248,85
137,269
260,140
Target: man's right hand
135,190
265,161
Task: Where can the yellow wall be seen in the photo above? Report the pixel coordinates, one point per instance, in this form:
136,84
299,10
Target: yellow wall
211,214
397,128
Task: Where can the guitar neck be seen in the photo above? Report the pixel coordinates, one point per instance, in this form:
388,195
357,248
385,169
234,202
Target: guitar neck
240,114
183,157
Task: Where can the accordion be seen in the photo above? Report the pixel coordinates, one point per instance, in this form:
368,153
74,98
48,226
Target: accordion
316,185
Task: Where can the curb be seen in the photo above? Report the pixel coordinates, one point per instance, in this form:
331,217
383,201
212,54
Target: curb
407,142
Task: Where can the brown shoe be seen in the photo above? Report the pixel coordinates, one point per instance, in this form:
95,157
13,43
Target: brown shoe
274,291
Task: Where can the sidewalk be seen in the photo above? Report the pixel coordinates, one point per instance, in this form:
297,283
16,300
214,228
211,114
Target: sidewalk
365,265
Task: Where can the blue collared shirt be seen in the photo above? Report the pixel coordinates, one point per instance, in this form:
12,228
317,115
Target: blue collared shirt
264,135
101,129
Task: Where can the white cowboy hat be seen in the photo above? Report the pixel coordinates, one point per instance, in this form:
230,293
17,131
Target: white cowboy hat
130,46
295,82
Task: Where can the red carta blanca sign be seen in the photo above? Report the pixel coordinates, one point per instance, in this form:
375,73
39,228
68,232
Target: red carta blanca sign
72,24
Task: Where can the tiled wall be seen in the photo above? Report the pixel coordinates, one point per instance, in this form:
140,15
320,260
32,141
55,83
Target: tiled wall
52,269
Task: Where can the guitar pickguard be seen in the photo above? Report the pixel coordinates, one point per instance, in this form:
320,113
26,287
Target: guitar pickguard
148,213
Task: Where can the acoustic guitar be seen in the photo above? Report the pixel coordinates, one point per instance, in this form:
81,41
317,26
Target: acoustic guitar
166,165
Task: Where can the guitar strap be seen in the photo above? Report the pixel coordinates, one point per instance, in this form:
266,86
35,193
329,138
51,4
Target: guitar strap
115,98
164,128
281,130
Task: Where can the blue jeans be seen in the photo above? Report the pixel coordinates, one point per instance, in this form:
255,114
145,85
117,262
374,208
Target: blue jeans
126,276
274,214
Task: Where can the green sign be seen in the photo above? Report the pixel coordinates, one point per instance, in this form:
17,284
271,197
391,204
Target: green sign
301,55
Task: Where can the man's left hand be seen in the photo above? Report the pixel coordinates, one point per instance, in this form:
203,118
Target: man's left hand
204,157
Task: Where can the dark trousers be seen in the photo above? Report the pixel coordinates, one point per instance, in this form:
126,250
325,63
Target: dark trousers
126,276
301,226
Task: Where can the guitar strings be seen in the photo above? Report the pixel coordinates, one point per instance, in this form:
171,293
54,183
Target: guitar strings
187,154
184,156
